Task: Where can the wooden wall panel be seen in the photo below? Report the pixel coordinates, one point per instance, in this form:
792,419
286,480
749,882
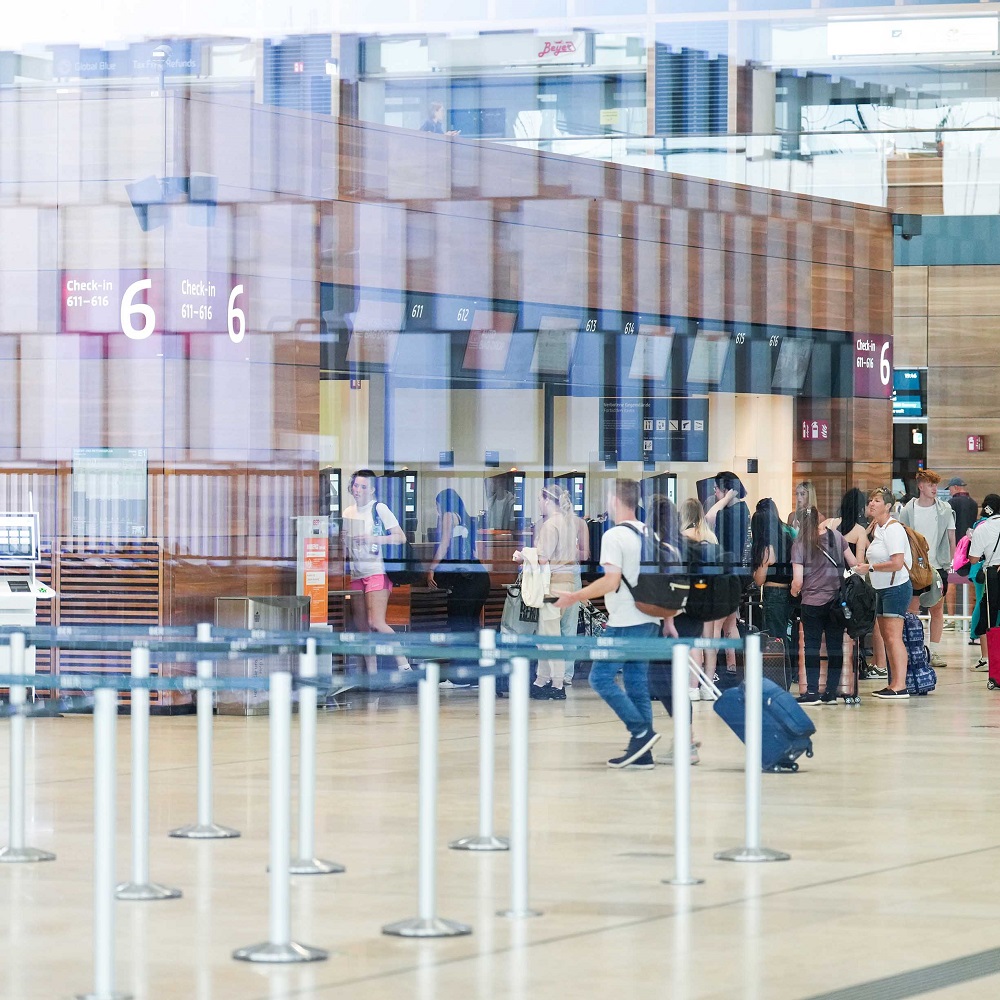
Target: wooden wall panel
909,342
909,291
963,291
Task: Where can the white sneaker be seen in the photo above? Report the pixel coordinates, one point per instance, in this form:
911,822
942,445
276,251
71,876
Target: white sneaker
668,757
694,694
938,661
707,694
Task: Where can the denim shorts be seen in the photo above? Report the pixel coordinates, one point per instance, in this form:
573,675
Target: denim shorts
893,601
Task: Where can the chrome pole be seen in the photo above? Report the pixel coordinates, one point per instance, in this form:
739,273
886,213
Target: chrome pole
205,828
427,924
16,852
682,768
280,948
140,887
105,768
520,681
485,841
307,863
753,728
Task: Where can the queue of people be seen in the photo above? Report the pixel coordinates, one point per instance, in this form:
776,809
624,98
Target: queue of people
796,563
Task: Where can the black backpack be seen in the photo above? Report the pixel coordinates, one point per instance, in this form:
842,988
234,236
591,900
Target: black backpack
715,586
661,589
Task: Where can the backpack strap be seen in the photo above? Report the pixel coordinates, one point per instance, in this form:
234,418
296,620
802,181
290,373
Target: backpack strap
642,537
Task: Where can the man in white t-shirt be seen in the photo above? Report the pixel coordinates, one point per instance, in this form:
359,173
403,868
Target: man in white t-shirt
368,527
621,553
935,520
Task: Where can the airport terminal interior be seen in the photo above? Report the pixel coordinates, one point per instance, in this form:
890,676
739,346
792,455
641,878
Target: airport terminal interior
493,256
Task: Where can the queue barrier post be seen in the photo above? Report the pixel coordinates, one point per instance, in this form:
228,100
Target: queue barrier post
520,681
307,863
754,673
205,828
139,887
105,769
280,948
16,851
427,924
682,768
485,840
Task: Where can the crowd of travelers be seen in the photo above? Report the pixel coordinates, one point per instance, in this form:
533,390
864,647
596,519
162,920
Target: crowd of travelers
794,565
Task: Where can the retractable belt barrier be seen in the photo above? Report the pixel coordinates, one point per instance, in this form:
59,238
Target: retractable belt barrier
206,646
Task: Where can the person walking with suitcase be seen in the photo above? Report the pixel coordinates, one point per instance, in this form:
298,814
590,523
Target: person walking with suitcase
818,562
621,557
984,554
886,563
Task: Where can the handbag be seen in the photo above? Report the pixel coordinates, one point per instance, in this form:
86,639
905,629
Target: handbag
517,618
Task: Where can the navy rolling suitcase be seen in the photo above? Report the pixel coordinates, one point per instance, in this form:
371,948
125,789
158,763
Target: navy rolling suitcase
785,730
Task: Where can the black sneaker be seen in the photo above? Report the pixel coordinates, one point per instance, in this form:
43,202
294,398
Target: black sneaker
642,763
889,695
637,746
557,694
541,692
828,699
808,699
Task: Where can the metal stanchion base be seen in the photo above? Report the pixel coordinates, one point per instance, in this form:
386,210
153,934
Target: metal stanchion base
752,854
518,914
490,843
280,954
204,831
22,855
103,996
146,891
315,866
420,928
684,881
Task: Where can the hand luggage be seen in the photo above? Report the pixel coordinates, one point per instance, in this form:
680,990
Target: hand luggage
993,657
920,676
785,729
777,669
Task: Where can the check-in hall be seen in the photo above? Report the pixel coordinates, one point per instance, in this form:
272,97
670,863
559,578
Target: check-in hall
212,316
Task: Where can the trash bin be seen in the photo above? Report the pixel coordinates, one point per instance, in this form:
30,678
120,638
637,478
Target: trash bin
282,614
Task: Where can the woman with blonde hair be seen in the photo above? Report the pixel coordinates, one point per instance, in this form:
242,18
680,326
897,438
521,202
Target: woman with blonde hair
805,499
562,542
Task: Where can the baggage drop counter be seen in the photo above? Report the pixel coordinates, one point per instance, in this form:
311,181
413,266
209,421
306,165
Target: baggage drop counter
282,614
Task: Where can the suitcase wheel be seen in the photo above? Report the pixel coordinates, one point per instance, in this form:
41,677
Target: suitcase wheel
809,753
991,684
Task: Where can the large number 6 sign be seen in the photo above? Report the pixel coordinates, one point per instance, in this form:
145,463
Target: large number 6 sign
130,308
884,372
237,319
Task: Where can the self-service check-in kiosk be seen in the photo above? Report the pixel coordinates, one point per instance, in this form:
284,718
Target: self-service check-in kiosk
19,594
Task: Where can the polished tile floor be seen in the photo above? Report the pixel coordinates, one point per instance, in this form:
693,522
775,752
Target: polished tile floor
893,828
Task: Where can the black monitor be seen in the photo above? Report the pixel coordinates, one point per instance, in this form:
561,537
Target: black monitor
909,398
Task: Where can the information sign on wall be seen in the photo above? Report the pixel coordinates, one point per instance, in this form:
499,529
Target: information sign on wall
662,429
109,492
873,366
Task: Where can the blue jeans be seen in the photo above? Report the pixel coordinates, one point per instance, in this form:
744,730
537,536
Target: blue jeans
632,705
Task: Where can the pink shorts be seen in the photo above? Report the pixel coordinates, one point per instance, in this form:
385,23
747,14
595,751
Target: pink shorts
369,584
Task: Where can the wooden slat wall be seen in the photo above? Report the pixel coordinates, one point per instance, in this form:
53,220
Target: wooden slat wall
111,584
946,318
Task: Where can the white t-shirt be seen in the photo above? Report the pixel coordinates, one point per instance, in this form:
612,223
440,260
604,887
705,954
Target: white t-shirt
622,548
984,540
886,542
358,521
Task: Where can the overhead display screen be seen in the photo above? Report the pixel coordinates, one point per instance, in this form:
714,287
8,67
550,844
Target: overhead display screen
374,331
651,357
424,337
489,341
709,356
793,364
555,344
